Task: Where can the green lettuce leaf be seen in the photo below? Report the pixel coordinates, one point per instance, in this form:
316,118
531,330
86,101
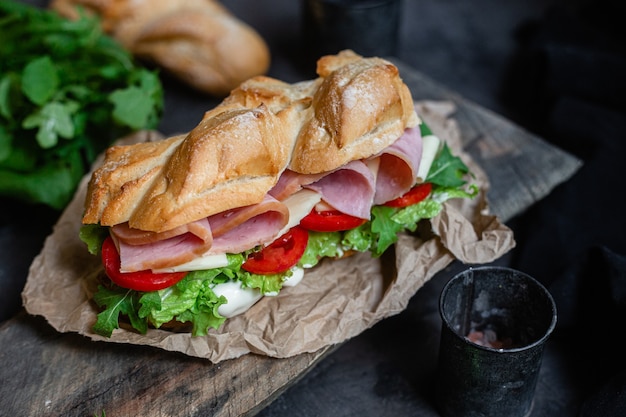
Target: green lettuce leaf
320,245
93,235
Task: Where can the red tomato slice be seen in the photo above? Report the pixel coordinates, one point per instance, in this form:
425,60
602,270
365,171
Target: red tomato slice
330,221
279,256
413,196
140,280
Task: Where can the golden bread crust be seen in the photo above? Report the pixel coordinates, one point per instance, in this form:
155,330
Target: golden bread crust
361,107
127,172
240,148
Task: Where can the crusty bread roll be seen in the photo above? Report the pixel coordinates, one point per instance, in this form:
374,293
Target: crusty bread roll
360,108
199,41
354,109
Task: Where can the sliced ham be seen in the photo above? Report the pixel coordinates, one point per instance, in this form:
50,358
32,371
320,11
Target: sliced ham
291,182
244,228
233,231
223,222
259,230
161,254
349,189
398,166
126,234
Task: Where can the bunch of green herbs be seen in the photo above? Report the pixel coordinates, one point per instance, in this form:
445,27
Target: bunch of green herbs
66,92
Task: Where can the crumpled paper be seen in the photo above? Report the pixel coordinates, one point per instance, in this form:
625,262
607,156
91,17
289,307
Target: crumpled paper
336,300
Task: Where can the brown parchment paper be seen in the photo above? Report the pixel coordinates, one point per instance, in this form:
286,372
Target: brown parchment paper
336,300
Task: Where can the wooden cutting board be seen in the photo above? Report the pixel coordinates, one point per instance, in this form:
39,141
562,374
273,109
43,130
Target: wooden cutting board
46,373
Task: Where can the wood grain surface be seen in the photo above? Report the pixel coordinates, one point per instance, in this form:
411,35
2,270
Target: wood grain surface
45,373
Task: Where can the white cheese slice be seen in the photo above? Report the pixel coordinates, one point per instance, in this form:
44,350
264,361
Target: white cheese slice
299,205
199,264
373,164
430,148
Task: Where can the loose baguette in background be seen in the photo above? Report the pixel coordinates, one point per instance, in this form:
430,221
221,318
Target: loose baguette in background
199,41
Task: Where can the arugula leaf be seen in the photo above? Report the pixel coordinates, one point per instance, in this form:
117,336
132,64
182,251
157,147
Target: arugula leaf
385,228
117,302
447,170
425,129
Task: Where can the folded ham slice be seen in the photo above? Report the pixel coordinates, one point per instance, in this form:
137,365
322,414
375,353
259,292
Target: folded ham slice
224,222
349,189
124,233
398,167
291,182
244,228
353,188
161,254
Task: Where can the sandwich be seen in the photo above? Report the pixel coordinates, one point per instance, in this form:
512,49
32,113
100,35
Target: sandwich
197,228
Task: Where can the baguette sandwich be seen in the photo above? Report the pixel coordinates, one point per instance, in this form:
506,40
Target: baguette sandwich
197,228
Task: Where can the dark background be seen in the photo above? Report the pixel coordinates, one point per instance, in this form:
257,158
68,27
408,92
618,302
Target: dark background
556,68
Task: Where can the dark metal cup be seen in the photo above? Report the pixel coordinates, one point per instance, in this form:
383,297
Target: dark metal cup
496,321
368,27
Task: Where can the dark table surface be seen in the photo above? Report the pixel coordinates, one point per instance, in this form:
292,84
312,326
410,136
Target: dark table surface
486,51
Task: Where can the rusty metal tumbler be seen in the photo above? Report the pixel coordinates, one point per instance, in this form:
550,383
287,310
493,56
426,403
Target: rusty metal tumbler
496,321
